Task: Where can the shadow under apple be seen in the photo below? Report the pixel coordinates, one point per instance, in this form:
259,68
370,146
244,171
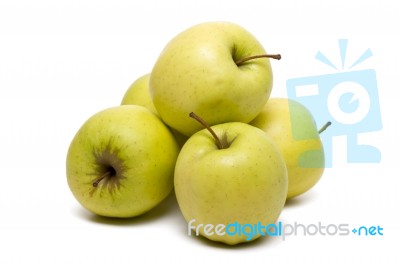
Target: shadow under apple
300,200
167,208
261,242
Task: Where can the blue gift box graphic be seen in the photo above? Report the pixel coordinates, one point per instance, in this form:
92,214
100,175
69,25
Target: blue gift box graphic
349,100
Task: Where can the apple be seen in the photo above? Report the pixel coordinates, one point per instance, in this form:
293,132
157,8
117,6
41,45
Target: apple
139,94
293,129
214,69
121,162
230,173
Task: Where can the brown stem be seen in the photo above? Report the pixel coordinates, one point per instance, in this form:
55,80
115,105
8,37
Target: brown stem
218,142
324,127
96,183
245,59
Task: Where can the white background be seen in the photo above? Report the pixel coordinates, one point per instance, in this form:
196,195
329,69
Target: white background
62,61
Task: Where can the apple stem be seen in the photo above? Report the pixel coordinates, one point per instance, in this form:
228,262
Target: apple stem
274,56
218,142
324,127
96,183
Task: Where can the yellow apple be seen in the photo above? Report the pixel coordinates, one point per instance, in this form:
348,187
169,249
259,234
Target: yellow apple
293,129
202,70
121,162
138,94
242,182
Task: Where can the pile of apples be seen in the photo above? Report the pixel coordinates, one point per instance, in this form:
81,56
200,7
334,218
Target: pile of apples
201,123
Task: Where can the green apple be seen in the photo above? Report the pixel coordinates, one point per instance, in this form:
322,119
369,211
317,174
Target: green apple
292,127
121,162
139,94
213,69
237,176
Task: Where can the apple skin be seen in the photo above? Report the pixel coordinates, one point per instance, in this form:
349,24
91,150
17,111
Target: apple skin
139,94
245,183
196,72
293,129
136,147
